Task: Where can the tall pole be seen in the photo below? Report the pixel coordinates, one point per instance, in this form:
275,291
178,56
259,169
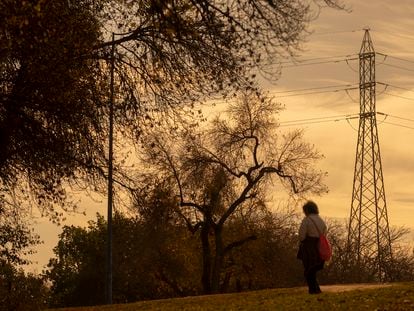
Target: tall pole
110,176
368,231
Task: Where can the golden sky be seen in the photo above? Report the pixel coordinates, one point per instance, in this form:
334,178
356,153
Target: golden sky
339,33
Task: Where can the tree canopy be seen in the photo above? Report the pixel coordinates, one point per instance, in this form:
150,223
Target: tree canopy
51,101
54,62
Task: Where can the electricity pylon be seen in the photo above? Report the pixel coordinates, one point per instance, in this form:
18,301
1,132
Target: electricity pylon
368,231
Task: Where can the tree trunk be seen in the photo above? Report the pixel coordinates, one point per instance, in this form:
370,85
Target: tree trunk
205,278
218,260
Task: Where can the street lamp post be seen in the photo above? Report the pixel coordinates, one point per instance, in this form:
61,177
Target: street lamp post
108,282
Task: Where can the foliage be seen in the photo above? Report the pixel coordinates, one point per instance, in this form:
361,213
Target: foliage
172,52
156,257
16,240
54,68
15,243
147,263
79,266
182,51
50,103
19,291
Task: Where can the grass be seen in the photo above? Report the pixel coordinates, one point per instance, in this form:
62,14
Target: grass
400,296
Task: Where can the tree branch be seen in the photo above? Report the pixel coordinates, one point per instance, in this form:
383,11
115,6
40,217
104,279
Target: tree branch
244,195
133,35
239,243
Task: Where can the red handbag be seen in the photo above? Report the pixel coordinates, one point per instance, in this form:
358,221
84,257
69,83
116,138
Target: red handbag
324,247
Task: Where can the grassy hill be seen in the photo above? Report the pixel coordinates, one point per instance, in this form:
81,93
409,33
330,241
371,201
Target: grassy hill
396,296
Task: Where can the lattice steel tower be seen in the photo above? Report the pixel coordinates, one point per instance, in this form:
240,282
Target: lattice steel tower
368,231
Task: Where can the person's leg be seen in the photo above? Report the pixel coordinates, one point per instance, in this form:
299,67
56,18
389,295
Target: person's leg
317,268
310,280
313,285
316,285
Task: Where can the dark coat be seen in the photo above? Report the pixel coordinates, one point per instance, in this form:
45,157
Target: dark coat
309,254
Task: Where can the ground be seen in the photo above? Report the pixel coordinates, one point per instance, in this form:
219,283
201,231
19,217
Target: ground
349,287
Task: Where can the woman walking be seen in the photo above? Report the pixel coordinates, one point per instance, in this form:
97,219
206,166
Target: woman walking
311,228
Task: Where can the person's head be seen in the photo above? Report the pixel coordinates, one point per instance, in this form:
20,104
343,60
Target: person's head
310,207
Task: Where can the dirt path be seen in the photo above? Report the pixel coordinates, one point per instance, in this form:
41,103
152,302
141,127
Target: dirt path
349,287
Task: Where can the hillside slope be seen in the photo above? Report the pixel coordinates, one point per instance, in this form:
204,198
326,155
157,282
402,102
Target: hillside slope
395,296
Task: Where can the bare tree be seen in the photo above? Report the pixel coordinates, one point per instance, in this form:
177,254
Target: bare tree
228,166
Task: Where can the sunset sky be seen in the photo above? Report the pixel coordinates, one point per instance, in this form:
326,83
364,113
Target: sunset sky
338,35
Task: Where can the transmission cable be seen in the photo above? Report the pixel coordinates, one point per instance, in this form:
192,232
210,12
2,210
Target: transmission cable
314,88
399,96
349,95
349,123
399,58
320,92
383,91
399,67
396,117
334,32
396,87
350,67
318,120
318,58
319,63
346,117
400,125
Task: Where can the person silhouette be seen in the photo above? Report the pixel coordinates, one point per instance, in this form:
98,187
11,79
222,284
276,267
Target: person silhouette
310,228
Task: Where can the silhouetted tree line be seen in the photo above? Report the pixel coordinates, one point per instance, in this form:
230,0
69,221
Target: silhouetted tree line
155,256
18,290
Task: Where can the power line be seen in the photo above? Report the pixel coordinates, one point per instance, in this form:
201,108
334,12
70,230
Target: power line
318,58
339,59
321,92
399,67
350,97
318,120
346,117
319,63
396,87
341,119
314,88
399,58
350,67
313,122
396,117
400,125
399,96
342,58
334,32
